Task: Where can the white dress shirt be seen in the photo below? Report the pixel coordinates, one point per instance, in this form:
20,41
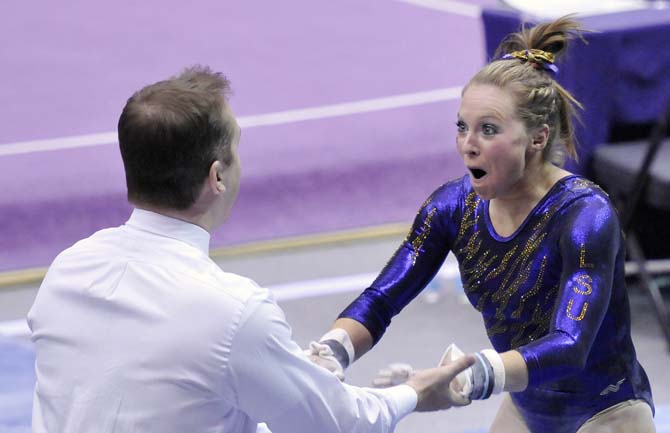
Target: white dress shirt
136,329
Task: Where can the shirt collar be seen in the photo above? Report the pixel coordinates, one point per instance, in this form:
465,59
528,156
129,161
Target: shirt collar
174,228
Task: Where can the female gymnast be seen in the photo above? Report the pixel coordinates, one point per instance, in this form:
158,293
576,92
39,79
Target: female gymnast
540,252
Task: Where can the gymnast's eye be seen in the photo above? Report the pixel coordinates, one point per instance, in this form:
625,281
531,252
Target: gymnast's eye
489,129
460,126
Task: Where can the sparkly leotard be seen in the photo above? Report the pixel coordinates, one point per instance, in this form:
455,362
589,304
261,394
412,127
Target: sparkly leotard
553,290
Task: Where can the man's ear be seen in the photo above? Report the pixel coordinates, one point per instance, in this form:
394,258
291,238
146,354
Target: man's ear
540,138
215,178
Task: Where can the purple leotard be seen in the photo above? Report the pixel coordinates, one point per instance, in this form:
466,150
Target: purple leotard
553,290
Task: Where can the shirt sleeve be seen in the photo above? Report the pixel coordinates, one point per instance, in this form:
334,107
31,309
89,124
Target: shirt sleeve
276,383
414,263
588,246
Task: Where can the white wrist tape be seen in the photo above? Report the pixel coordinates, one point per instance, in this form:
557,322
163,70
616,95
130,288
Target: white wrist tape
498,369
342,337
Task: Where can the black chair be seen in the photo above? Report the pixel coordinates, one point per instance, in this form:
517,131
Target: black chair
637,174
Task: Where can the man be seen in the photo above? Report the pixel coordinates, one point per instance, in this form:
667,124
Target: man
136,329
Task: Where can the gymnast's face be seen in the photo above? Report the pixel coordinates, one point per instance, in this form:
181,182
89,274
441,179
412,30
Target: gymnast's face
492,141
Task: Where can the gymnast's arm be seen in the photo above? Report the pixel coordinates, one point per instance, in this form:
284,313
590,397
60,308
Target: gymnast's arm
588,248
407,273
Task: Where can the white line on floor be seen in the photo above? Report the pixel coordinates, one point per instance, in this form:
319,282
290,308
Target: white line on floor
454,7
277,118
323,287
332,286
14,328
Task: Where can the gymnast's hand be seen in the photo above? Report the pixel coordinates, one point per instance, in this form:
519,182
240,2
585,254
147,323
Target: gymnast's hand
486,376
322,355
334,351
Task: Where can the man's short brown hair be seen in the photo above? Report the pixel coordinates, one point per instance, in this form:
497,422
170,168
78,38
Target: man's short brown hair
170,133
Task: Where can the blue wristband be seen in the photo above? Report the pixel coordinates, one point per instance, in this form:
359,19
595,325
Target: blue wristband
339,352
483,378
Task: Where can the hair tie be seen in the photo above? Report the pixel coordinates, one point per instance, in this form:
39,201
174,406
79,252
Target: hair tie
538,58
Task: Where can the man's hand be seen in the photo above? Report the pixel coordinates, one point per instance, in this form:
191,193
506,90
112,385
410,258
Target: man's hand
433,386
394,374
322,355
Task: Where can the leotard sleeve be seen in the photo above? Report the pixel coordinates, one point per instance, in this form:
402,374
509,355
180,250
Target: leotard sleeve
588,247
414,263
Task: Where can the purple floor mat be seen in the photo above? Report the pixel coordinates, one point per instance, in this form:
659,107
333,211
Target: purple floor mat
345,184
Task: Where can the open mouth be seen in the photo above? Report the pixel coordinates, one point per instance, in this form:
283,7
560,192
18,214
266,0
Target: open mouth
477,173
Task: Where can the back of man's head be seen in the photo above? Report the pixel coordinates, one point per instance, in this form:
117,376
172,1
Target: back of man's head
170,133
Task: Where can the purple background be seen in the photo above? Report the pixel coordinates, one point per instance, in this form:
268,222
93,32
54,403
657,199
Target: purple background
68,69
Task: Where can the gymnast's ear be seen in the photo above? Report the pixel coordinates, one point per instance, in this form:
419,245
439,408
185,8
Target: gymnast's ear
540,138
